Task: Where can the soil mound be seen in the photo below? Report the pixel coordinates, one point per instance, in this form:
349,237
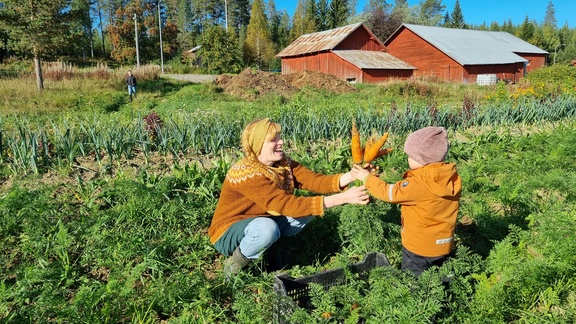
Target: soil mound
319,80
251,84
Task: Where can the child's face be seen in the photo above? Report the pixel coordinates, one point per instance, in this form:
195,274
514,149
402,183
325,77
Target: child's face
413,164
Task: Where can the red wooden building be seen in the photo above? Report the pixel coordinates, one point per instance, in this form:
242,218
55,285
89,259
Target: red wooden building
462,55
351,53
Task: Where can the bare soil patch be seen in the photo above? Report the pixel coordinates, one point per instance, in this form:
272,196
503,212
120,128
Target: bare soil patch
252,84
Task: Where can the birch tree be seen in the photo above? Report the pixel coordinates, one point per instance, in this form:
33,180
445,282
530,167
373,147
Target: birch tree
258,47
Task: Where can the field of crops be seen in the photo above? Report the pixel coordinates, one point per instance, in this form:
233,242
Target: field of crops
105,203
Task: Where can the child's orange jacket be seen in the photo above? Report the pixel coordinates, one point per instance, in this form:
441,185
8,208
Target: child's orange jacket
430,197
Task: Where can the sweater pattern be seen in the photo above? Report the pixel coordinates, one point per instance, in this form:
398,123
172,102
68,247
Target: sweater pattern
246,169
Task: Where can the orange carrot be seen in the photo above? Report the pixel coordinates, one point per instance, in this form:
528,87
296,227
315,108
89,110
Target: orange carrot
373,148
357,151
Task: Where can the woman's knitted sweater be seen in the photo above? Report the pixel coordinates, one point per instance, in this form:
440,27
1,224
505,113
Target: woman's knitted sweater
247,192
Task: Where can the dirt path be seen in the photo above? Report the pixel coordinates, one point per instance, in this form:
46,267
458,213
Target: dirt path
195,78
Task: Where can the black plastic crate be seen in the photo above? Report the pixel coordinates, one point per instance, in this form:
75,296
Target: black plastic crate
298,290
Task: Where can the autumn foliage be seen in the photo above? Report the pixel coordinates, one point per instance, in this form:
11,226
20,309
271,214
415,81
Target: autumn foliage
122,33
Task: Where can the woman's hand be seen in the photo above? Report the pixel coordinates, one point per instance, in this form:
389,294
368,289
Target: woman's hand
354,195
346,179
359,173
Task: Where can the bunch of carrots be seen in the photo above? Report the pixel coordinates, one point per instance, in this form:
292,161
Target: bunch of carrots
371,151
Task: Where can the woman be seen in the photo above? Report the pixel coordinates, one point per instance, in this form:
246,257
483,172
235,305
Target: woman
257,204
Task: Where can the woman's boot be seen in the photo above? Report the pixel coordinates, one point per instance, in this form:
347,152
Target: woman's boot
234,263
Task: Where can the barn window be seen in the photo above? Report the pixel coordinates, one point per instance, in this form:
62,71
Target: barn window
351,80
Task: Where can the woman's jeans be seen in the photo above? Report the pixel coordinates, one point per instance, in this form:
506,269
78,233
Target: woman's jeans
262,232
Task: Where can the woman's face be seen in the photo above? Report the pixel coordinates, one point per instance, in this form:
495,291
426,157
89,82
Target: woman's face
272,151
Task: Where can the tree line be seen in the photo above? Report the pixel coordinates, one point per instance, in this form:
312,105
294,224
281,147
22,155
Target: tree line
232,34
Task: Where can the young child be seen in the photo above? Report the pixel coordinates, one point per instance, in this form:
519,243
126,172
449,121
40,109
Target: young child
429,195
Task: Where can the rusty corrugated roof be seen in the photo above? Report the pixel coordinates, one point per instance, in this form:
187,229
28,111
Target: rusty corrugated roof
373,60
317,42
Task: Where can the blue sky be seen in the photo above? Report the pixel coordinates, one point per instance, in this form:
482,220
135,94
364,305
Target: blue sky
477,12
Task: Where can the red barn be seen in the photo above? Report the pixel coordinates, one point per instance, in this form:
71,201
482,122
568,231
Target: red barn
351,53
464,55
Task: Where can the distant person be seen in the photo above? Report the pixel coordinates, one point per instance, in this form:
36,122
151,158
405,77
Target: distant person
257,203
429,195
131,82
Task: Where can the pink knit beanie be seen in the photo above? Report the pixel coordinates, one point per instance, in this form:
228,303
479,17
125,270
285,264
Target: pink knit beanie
427,145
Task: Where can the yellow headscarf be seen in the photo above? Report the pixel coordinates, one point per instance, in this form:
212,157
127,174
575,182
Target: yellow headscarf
253,138
255,134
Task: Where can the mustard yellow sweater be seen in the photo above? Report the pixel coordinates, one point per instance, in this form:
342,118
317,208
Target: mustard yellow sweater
247,192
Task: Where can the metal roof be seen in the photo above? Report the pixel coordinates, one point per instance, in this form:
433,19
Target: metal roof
373,60
317,42
475,47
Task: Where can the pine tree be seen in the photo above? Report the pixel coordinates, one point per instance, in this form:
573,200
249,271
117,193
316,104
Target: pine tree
550,17
494,26
206,13
239,14
338,14
301,23
284,30
98,11
310,15
508,27
446,22
273,21
37,27
81,43
431,12
258,47
457,17
321,14
401,10
526,30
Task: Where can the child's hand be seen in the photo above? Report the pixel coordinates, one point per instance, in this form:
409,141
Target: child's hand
372,169
359,173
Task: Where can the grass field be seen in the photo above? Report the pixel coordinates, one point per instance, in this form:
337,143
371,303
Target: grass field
105,203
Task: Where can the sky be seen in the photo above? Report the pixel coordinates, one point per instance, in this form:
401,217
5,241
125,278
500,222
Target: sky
477,12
